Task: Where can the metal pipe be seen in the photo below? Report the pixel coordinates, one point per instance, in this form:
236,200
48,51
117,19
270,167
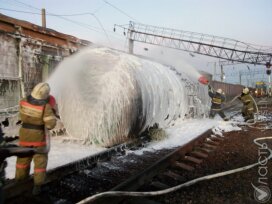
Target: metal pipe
43,18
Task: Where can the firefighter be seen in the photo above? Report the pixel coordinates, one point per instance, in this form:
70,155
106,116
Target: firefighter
248,104
217,99
36,114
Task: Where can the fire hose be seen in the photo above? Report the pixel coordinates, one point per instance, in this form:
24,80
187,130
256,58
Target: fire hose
186,184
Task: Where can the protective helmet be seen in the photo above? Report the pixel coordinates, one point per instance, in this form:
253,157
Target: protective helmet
245,90
41,91
219,91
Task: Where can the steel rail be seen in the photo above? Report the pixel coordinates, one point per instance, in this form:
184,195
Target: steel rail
13,189
136,181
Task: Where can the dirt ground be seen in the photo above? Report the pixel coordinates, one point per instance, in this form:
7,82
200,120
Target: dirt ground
235,151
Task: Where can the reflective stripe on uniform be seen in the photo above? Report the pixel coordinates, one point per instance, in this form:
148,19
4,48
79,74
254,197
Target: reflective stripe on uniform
24,103
22,166
31,110
34,144
251,109
217,100
39,170
49,118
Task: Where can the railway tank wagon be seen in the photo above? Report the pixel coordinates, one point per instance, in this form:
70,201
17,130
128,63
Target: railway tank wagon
106,96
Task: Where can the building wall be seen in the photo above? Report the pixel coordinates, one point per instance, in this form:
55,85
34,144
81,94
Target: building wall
28,55
9,57
9,84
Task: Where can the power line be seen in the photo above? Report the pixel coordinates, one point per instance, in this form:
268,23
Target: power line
99,22
5,9
121,11
27,5
49,14
62,16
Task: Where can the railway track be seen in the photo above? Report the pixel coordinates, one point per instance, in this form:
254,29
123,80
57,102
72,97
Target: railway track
167,171
76,181
82,176
14,190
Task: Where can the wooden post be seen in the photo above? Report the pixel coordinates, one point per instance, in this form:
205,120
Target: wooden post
43,18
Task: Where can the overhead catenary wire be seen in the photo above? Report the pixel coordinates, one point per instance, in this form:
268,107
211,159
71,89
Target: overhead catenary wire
86,26
62,16
121,11
101,25
48,14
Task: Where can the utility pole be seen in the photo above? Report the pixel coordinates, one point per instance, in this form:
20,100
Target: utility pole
43,18
214,70
130,40
222,74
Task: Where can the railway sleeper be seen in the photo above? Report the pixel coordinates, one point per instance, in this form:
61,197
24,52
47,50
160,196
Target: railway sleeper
159,185
183,166
203,149
212,142
209,146
173,176
217,138
193,159
199,154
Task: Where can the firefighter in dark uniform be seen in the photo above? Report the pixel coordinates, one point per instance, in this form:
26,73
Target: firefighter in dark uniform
36,114
217,99
248,105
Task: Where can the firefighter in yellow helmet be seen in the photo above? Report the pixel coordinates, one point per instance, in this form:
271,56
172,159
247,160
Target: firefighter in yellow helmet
217,99
248,105
36,114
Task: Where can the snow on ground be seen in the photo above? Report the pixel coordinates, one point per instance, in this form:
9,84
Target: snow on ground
180,133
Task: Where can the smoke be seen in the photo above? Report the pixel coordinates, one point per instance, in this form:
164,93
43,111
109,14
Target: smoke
105,96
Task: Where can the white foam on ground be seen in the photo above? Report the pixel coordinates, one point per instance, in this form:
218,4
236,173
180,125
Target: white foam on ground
184,131
181,133
60,154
